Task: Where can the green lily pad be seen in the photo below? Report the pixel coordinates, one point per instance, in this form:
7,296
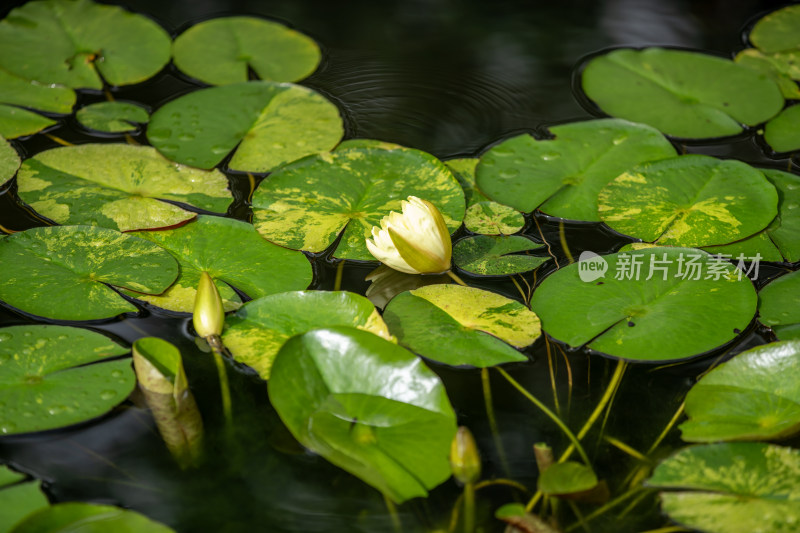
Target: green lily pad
623,314
75,42
738,487
464,171
307,204
44,97
118,186
779,306
491,218
566,478
782,67
780,241
17,122
368,406
778,31
256,332
223,50
9,160
690,200
782,133
562,176
112,117
62,272
234,255
459,325
47,381
75,517
683,94
17,500
267,123
754,396
487,255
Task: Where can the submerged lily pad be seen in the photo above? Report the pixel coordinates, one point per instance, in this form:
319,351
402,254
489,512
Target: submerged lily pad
268,124
64,272
690,200
75,42
368,406
234,255
119,186
566,478
562,176
683,94
779,306
256,332
17,122
47,381
307,204
496,255
754,396
782,133
732,487
464,171
9,160
461,325
17,500
223,50
491,218
76,517
623,314
112,117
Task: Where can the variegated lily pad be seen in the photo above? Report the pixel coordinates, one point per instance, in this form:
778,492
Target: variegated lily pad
459,325
782,67
464,171
9,160
267,123
112,117
55,376
65,272
777,31
307,204
234,254
256,332
562,176
224,50
779,306
782,133
118,186
690,200
496,256
18,498
732,487
491,218
75,42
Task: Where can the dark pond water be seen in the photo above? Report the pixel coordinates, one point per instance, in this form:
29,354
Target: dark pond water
450,78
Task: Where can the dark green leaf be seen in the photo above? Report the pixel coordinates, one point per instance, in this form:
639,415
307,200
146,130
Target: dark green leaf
112,117
496,255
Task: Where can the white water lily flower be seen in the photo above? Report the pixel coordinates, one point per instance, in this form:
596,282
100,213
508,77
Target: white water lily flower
415,241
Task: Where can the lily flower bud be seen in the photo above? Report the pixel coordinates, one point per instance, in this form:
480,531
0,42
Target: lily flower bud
209,315
415,241
465,460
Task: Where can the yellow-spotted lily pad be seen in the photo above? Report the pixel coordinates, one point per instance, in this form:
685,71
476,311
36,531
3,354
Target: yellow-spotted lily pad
491,218
9,160
488,255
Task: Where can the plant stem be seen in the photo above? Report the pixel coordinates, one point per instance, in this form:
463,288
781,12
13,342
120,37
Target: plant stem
224,387
521,292
627,449
455,278
552,376
469,508
563,239
605,508
337,284
667,428
575,442
392,508
487,399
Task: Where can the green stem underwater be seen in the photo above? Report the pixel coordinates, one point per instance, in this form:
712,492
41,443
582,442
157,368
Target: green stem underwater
457,279
224,385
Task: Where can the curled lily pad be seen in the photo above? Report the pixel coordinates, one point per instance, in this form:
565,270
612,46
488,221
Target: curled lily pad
779,306
223,50
780,241
487,255
118,186
268,124
234,255
75,42
18,498
461,325
9,160
754,396
75,517
491,218
562,176
256,332
307,204
64,272
683,94
55,376
690,200
112,117
737,487
641,304
17,122
566,478
464,171
782,133
368,406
